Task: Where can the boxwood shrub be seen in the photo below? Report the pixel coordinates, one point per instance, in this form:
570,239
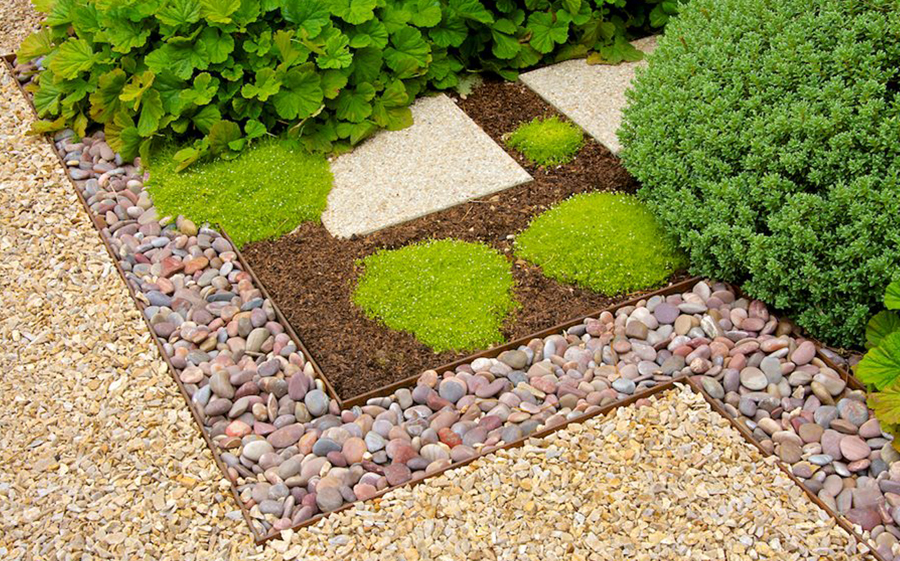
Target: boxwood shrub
766,135
329,71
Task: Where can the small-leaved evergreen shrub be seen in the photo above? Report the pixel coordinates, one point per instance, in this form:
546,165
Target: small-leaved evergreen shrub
329,71
267,191
766,135
451,295
606,242
547,142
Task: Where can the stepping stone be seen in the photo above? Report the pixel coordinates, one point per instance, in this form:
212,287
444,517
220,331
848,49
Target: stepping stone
592,96
442,160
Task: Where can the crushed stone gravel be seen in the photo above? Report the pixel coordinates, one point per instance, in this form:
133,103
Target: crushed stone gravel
17,20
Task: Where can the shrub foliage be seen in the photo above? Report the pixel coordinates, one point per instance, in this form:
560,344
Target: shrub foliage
330,71
766,137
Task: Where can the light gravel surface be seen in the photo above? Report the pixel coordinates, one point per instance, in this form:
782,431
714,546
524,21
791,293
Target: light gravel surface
668,480
442,160
17,21
591,95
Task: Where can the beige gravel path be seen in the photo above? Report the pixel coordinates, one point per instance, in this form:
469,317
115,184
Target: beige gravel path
17,20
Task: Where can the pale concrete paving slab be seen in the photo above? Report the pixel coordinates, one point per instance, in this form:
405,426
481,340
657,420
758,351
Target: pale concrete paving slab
442,160
593,96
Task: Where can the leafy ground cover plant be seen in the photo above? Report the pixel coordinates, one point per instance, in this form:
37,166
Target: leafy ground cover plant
329,71
450,294
765,137
607,242
547,142
880,367
265,192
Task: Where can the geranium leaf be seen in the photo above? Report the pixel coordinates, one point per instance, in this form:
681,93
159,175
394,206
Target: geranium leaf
206,118
548,29
151,111
267,84
124,35
218,11
300,96
353,105
105,102
892,296
354,11
311,16
35,45
886,405
427,13
254,129
179,12
880,366
216,45
880,326
450,33
72,58
221,134
336,53
472,9
408,52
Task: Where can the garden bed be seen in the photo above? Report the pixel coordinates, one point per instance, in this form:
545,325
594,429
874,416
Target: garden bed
312,274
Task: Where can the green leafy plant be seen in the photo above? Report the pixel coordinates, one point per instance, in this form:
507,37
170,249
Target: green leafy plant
880,367
450,294
221,73
607,242
265,192
764,136
547,142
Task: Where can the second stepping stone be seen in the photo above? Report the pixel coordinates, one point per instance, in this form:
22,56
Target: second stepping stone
593,96
444,159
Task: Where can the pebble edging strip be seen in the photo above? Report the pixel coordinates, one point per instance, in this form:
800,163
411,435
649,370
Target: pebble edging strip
292,453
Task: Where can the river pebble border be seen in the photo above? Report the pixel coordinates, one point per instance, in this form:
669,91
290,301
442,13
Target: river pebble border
292,453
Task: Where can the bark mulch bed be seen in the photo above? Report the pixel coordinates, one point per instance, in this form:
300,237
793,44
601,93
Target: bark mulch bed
312,274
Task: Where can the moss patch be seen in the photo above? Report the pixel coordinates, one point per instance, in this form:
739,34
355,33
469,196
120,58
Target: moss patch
265,192
606,242
451,295
547,142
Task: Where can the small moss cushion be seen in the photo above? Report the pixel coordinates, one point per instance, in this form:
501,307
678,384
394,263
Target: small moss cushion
547,142
265,192
451,295
607,242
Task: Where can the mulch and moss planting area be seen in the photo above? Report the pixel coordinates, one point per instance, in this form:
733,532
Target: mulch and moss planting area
313,275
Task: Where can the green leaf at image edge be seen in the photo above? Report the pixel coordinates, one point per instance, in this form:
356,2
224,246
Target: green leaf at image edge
886,405
892,296
880,326
881,365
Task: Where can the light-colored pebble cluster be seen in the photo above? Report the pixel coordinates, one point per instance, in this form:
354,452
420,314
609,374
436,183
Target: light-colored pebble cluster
666,478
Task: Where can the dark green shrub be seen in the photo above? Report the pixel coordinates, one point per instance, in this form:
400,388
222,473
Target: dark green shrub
766,135
330,71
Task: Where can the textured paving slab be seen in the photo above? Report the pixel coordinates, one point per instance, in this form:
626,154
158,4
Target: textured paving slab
443,160
591,95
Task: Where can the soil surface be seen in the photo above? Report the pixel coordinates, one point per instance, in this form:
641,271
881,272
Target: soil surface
312,274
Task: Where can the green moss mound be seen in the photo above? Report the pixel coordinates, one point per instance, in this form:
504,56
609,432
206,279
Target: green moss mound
765,136
607,242
265,192
451,295
547,142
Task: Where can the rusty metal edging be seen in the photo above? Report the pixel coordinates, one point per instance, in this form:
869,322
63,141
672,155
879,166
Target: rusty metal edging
288,328
748,436
7,61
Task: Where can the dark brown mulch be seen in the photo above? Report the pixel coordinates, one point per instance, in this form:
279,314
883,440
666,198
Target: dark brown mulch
312,275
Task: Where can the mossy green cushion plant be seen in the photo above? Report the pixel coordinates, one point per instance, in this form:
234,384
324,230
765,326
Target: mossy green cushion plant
547,142
265,192
765,135
451,295
607,242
